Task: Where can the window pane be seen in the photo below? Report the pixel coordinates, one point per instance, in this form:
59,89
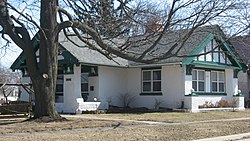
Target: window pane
221,76
215,57
221,87
194,74
59,79
201,86
201,57
84,87
84,77
157,86
214,87
59,88
222,58
157,75
194,85
146,75
201,75
59,94
146,86
209,55
58,99
213,76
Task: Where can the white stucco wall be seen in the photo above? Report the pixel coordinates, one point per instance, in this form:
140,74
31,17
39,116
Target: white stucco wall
112,83
231,84
72,90
188,84
172,84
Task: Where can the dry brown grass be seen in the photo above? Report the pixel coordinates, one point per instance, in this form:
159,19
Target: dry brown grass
171,117
92,129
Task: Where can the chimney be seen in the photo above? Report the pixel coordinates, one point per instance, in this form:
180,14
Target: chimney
154,26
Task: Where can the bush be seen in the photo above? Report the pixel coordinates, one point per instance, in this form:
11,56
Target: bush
220,104
223,103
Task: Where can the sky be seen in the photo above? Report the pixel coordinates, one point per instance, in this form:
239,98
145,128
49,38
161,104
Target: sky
8,55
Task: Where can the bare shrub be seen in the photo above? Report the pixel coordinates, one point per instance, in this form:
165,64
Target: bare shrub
109,100
126,99
223,103
220,104
157,104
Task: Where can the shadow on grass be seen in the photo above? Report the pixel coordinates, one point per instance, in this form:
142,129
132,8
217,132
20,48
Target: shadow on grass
12,119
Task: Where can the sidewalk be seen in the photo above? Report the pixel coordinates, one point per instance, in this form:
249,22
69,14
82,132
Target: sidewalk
237,137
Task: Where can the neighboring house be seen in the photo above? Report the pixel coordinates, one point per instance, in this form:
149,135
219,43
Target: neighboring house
172,83
242,46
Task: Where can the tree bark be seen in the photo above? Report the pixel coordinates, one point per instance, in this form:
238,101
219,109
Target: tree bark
44,82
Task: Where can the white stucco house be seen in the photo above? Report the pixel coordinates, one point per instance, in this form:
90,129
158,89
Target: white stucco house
177,82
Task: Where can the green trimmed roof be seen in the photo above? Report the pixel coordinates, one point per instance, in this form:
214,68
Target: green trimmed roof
65,57
72,53
21,58
225,46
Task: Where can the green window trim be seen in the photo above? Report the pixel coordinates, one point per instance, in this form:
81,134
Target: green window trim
151,68
207,94
151,94
214,65
238,95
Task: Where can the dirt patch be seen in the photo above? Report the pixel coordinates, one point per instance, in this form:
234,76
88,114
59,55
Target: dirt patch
23,125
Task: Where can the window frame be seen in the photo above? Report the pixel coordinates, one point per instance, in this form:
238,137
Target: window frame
152,81
218,81
208,85
85,94
59,93
199,80
216,55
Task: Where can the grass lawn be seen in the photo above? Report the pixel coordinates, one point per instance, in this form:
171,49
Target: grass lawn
92,129
172,117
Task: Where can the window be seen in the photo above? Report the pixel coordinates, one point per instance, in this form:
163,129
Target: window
59,89
198,80
216,54
85,85
217,81
214,80
151,80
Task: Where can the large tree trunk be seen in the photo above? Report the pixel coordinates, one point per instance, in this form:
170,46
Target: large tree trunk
45,82
43,74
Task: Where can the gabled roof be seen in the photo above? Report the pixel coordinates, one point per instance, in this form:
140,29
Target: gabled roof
87,56
224,46
172,37
242,47
21,58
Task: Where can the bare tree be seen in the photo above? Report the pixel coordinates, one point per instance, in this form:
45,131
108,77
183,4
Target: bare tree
7,77
111,27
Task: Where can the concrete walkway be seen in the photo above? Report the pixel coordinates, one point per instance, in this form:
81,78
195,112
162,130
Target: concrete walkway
237,137
154,122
